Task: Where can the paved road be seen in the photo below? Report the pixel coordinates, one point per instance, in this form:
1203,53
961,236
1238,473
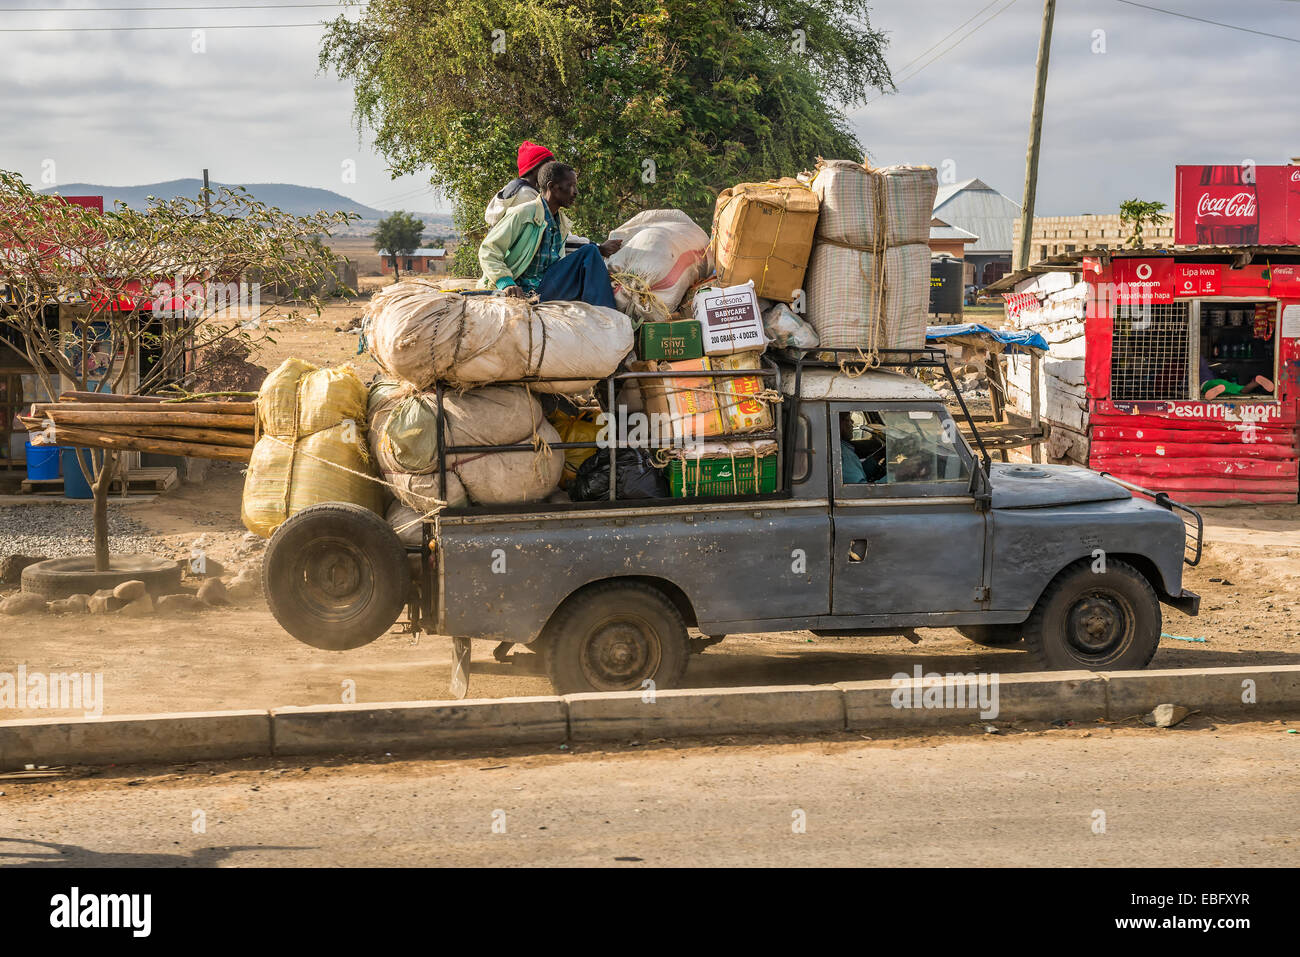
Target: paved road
1225,795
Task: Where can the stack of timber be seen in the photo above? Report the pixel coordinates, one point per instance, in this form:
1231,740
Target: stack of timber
203,428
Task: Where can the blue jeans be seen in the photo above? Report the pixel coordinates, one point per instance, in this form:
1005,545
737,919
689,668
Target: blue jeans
578,277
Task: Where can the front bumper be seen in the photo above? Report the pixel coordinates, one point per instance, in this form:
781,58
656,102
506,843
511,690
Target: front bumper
1188,602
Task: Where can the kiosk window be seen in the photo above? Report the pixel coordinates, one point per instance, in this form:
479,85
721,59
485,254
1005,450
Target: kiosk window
1238,352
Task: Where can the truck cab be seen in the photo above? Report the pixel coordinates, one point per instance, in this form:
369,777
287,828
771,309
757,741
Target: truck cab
887,520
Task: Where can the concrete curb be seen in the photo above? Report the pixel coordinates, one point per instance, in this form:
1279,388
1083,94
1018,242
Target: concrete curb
926,702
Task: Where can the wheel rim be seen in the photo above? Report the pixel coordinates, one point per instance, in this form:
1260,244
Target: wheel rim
1098,624
337,578
619,653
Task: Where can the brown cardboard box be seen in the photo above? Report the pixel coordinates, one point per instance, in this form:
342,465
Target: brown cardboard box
739,410
690,407
764,232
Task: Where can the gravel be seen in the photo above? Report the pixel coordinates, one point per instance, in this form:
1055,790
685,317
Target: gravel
57,531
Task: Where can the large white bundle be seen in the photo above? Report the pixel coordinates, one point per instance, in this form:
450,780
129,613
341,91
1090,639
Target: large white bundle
667,251
403,422
422,334
844,297
854,198
488,478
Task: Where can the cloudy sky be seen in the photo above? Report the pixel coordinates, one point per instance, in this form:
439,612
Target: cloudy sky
1132,92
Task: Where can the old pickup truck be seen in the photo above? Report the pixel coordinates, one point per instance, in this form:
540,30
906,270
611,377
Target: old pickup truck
918,529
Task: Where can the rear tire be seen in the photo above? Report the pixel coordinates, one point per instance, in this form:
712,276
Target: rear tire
1095,621
335,576
993,636
613,637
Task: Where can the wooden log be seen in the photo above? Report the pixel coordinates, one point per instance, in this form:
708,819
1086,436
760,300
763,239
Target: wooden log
132,443
120,420
245,406
127,408
242,440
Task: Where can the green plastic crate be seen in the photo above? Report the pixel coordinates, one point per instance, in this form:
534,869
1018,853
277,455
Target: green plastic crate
716,476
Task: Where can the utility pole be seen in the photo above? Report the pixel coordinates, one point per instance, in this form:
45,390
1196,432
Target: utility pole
207,202
1021,258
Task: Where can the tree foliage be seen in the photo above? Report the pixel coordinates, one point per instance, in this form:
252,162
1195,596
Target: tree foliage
1137,214
657,103
398,235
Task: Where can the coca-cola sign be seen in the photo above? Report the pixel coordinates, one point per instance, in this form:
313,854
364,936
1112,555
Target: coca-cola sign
1244,205
1228,206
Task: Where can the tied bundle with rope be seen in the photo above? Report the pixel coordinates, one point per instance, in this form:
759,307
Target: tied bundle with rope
664,252
728,481
869,276
403,434
764,232
421,333
311,446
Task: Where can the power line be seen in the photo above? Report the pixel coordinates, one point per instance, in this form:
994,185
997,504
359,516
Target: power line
942,39
224,26
949,49
240,6
1228,26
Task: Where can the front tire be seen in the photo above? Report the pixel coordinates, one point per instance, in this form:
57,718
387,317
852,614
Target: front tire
1095,621
614,637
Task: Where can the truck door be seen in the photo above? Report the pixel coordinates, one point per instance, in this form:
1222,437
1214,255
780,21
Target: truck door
908,538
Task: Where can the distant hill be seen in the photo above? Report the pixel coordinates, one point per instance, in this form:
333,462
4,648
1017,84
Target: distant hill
296,200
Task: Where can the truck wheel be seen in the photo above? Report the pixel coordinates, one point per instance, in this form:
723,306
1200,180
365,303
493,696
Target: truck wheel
1095,621
613,637
335,576
993,636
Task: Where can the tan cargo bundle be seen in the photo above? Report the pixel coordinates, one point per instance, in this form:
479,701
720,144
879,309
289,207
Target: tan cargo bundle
764,232
312,447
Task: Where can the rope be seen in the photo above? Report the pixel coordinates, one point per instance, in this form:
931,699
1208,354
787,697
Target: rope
648,305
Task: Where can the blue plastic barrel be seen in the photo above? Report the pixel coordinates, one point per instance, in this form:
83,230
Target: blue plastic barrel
74,483
42,461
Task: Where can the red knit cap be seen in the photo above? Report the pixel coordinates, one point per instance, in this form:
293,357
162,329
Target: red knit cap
531,156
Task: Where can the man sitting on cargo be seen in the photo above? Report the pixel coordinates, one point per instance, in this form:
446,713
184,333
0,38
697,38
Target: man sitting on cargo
524,254
532,158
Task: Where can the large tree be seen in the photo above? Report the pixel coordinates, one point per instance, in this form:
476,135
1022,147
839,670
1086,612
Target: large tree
398,235
658,103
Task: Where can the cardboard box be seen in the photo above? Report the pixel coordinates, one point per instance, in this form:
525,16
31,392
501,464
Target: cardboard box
679,339
691,407
681,407
730,320
764,232
740,411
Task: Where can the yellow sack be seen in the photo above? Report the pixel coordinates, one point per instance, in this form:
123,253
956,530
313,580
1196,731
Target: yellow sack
311,420
574,428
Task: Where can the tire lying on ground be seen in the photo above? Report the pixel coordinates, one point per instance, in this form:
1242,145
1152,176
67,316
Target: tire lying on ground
62,577
335,576
1095,621
993,636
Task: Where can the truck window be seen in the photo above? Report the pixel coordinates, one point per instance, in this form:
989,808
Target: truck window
893,447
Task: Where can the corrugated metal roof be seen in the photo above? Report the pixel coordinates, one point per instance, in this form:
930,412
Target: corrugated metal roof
941,230
429,251
980,209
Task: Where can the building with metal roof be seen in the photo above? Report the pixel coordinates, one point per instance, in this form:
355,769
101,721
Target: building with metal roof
976,207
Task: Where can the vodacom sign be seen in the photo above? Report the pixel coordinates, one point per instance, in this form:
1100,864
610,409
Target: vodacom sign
1236,206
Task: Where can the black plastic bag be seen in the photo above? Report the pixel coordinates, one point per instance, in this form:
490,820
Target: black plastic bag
637,477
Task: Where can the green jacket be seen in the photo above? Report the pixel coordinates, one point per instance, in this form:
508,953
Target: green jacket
512,243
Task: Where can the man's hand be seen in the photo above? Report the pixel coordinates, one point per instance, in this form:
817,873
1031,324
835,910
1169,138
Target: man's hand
514,292
609,247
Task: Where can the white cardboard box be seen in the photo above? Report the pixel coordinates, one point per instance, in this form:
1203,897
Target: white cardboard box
730,320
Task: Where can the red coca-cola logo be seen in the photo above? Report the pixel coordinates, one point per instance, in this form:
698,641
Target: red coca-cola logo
1239,206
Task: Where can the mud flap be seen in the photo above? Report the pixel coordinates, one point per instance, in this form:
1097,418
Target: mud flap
460,667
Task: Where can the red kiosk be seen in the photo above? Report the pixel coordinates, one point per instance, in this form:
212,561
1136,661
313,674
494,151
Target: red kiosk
1191,355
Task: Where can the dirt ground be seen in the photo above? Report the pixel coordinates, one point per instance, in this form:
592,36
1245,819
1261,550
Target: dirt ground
1249,581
